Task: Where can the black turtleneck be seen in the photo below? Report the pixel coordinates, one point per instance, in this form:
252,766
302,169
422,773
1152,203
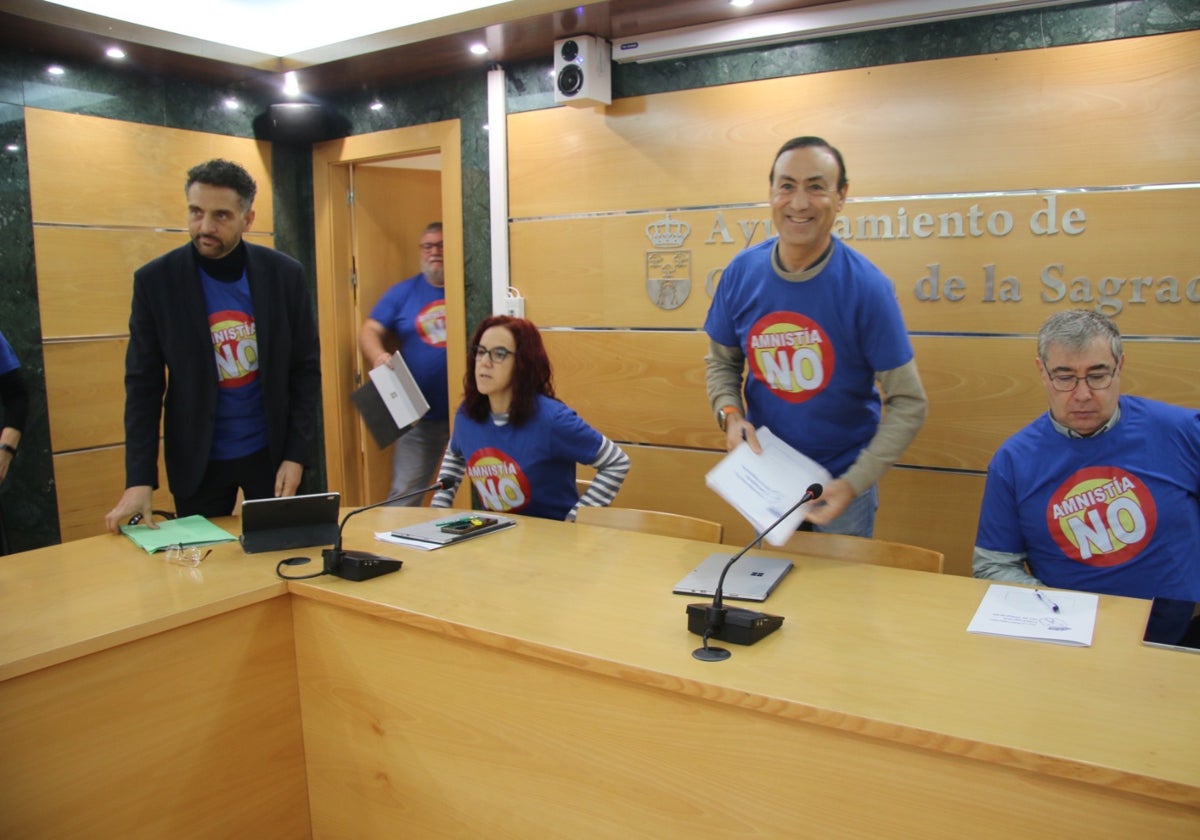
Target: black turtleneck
229,268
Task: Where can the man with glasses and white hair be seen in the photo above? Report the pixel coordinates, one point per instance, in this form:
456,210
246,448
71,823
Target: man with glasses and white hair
1101,493
413,314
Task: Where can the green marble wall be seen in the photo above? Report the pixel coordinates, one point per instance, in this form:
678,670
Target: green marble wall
29,504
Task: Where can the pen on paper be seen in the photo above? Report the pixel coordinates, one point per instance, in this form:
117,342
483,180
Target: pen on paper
1053,606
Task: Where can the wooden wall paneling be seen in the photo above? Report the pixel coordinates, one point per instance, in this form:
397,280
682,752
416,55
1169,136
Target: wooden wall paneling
90,482
101,172
85,275
593,271
639,386
1005,121
1130,258
85,393
933,508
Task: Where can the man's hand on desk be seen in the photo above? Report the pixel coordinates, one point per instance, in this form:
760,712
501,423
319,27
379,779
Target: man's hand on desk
136,500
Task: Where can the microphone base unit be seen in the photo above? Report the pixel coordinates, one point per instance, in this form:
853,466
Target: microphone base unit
740,627
358,565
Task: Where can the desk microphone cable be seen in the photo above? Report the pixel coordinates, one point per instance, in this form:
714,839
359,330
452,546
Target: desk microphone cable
296,561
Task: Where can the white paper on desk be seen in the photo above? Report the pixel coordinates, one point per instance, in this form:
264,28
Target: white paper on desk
762,487
389,537
1017,611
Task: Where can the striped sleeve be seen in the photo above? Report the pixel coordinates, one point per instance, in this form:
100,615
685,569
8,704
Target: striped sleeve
612,465
454,467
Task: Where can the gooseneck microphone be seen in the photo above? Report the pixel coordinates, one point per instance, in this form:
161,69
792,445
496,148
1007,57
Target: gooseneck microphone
364,565
740,626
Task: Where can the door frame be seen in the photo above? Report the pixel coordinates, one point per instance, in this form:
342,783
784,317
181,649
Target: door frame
335,294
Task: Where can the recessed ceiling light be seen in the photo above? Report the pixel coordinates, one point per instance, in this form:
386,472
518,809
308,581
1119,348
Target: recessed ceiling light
115,52
376,105
12,147
232,104
55,70
479,49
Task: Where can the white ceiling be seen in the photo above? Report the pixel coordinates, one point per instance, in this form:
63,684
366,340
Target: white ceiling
276,27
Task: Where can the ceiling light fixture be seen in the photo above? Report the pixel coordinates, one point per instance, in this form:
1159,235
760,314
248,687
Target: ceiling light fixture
115,53
231,104
741,4
55,70
478,49
376,105
291,84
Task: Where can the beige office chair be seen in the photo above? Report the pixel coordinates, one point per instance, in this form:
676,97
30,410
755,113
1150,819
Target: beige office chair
862,550
652,522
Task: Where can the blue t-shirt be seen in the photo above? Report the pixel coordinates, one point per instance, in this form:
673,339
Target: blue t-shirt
8,359
240,425
1117,513
531,469
812,348
415,310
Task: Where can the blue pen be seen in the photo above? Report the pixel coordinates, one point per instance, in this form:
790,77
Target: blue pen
1045,600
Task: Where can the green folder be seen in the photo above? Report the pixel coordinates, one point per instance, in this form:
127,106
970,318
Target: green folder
188,530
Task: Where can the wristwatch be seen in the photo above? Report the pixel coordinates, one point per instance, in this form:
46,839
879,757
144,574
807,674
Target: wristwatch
9,448
725,413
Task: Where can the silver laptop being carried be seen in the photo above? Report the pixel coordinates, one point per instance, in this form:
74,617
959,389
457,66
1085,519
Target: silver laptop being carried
751,578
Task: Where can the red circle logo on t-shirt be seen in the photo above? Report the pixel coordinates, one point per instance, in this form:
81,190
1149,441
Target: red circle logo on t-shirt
791,355
235,343
431,324
498,480
1102,516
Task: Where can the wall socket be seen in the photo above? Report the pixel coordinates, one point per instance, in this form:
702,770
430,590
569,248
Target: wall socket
514,304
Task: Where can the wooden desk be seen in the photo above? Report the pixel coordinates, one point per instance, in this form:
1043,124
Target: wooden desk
538,682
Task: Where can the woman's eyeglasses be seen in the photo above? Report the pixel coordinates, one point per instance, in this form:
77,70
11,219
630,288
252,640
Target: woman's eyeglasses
497,354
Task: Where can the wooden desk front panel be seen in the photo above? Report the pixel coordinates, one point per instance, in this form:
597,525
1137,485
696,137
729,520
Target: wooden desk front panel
189,733
414,732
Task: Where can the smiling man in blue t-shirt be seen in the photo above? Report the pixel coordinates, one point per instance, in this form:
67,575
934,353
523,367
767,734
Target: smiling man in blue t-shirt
815,325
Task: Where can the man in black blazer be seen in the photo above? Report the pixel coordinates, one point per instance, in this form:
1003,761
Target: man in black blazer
223,349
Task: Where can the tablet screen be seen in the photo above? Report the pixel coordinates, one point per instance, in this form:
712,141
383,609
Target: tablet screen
1173,624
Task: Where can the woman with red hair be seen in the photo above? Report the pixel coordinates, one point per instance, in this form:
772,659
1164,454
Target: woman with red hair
514,440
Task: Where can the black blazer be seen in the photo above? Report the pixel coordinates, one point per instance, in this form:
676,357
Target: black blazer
170,366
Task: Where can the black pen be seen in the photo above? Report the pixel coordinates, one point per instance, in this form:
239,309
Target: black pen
1045,600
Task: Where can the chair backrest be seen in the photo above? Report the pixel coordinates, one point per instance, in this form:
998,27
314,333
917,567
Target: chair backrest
652,522
863,550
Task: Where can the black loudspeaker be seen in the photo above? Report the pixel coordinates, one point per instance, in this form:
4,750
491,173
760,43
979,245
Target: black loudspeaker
583,71
300,122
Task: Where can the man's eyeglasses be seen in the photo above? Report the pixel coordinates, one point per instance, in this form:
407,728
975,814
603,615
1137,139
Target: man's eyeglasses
497,354
1097,381
432,246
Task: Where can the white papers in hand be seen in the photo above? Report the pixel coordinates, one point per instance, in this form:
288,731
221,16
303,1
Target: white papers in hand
1019,612
762,487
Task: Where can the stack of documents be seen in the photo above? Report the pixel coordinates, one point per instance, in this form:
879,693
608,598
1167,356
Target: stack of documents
189,530
1041,615
762,487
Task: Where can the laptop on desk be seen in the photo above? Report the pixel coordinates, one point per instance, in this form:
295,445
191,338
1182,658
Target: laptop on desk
289,522
751,578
